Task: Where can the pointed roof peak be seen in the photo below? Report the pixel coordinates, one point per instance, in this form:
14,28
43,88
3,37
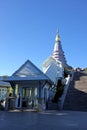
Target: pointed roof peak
58,52
57,39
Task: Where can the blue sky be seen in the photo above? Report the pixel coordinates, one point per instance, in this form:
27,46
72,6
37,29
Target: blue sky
28,29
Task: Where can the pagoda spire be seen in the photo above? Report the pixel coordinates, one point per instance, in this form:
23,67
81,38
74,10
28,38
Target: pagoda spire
58,52
57,39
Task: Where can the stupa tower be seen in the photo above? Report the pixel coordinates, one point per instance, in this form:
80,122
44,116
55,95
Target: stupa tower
58,52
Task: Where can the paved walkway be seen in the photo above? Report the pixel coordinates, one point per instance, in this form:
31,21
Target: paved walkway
49,120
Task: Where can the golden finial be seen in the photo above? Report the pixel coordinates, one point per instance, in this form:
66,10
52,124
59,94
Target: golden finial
57,39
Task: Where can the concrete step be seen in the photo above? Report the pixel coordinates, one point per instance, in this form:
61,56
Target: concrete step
76,98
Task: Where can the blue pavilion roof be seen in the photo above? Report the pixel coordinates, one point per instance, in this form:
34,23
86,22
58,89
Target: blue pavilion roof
28,71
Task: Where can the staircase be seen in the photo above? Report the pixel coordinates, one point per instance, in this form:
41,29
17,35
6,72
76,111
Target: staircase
76,98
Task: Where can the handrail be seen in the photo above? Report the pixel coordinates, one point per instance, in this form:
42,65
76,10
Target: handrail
62,98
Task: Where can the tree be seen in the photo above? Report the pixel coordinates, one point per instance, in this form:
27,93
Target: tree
59,91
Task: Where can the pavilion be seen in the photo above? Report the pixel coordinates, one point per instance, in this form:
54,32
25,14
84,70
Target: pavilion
30,86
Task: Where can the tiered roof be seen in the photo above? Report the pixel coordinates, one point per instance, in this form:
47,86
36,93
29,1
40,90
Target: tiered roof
58,52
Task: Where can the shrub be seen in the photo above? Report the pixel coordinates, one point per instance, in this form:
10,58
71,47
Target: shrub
59,91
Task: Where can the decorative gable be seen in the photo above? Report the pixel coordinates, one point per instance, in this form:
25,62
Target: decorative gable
28,72
27,69
53,69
